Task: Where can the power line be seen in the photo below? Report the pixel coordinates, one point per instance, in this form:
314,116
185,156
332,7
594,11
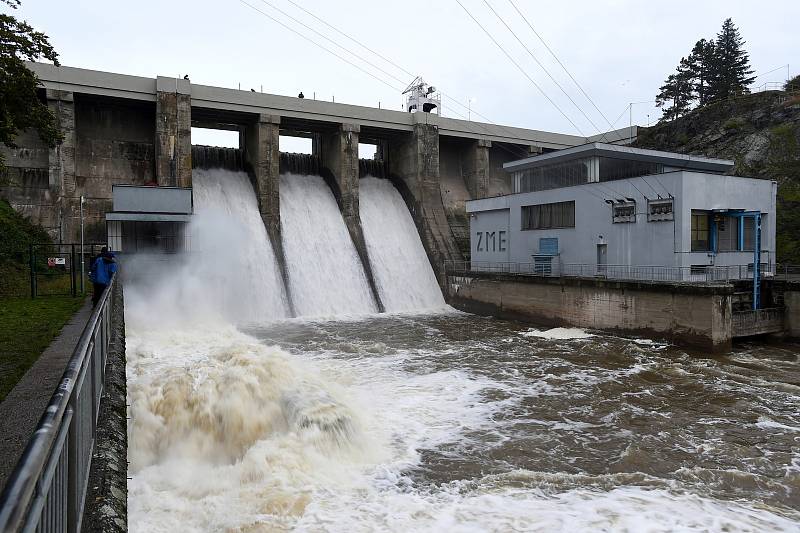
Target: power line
519,67
523,153
359,43
496,14
376,67
320,46
578,85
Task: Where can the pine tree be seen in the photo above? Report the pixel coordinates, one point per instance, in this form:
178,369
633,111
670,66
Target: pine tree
701,62
677,91
730,72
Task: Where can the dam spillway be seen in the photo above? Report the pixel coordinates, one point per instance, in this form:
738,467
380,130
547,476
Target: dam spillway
326,277
249,420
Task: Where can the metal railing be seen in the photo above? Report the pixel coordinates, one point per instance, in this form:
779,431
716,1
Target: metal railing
47,489
554,269
757,322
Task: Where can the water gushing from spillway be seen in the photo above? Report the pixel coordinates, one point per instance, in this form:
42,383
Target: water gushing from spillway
326,276
231,273
400,265
434,422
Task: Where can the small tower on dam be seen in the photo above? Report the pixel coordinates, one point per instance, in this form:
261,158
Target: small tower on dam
422,98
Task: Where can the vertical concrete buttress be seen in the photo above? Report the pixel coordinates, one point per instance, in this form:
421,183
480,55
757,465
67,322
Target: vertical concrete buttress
476,168
61,159
339,155
415,162
263,156
173,132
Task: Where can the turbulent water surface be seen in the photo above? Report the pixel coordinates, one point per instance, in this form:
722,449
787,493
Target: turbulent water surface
458,423
424,421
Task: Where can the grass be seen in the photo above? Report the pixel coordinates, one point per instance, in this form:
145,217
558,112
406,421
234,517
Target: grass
27,326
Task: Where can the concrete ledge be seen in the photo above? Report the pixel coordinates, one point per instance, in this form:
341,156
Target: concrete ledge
668,286
697,317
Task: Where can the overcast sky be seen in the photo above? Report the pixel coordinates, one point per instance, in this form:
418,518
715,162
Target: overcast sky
619,51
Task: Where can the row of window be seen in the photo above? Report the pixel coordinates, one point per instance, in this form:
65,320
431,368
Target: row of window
562,214
727,229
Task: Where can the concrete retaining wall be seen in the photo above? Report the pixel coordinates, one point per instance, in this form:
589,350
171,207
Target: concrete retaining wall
693,316
791,299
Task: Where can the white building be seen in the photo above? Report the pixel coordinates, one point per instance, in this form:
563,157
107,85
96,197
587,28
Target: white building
584,210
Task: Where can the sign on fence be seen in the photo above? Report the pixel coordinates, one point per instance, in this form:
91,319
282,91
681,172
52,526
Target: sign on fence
56,261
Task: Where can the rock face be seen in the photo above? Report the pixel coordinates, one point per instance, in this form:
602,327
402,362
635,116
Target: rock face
761,134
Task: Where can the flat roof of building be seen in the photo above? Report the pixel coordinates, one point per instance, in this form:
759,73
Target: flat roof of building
672,159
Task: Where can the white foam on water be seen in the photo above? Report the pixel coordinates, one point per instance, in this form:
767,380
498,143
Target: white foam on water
399,263
231,274
326,276
459,508
558,334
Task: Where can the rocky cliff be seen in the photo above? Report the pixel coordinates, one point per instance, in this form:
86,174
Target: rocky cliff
761,133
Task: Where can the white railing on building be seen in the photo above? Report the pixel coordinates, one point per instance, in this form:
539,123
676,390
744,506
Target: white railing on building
47,490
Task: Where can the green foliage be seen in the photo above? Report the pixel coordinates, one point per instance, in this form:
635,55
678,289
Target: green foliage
730,71
26,329
793,84
16,233
20,107
701,62
675,96
714,70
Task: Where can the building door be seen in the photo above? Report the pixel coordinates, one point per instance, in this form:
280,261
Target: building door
602,259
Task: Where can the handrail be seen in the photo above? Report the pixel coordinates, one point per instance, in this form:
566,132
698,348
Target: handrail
28,490
656,273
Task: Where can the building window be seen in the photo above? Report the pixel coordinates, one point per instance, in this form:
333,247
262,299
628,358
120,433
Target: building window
618,169
727,233
749,234
660,210
624,212
700,242
548,216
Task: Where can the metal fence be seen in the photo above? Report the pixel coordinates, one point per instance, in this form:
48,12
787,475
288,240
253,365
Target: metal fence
757,322
47,489
554,269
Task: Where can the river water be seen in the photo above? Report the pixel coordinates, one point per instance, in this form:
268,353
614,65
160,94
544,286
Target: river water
244,420
453,422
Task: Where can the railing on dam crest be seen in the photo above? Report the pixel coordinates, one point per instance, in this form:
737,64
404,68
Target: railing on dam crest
47,489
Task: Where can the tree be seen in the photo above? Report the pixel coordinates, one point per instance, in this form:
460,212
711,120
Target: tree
701,63
20,107
730,72
677,91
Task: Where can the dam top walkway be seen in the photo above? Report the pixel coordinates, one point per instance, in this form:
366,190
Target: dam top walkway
217,102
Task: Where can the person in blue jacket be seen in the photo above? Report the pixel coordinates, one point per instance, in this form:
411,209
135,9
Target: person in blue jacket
100,274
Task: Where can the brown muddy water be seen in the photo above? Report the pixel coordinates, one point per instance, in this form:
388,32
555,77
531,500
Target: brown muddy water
458,423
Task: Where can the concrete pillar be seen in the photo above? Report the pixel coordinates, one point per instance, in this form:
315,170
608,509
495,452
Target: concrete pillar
339,156
414,164
173,132
61,160
263,156
262,153
476,168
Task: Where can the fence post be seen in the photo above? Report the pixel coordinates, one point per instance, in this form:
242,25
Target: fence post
72,466
73,274
32,269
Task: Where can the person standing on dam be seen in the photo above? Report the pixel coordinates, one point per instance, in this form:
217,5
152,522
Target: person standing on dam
101,272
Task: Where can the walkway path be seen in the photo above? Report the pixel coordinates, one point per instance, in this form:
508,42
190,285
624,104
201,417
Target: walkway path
23,407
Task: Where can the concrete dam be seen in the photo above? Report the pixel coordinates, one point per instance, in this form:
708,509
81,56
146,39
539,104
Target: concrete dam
121,129
267,392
